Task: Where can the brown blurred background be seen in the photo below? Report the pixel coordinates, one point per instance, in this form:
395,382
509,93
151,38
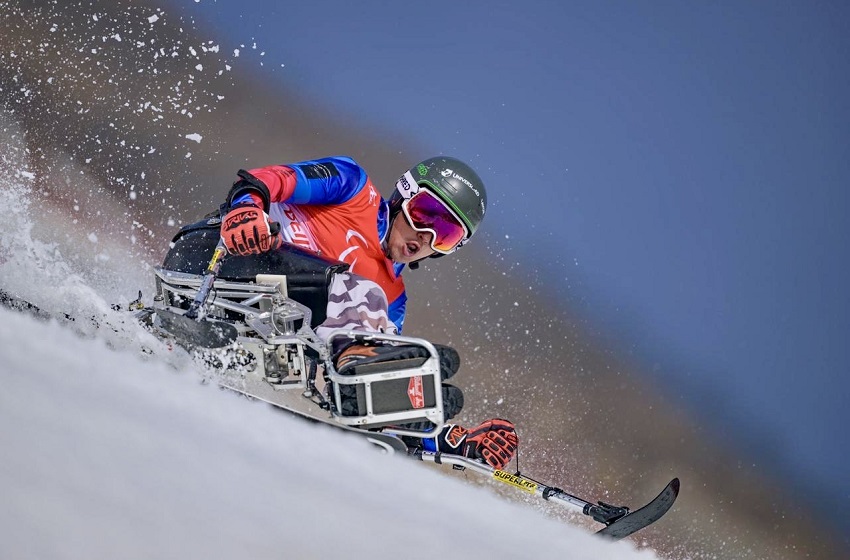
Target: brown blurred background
588,419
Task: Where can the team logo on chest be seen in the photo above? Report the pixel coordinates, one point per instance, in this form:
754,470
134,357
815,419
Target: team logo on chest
355,241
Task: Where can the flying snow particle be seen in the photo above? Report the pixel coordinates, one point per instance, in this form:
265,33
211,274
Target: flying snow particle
93,237
195,137
153,19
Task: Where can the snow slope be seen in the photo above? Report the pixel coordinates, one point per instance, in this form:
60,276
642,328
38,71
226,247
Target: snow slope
106,455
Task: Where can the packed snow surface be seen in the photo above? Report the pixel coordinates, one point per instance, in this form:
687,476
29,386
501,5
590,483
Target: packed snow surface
109,455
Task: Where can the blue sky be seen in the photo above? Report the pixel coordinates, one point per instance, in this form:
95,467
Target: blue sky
681,169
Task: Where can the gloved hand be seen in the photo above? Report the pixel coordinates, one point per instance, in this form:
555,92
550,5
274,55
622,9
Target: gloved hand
495,441
246,230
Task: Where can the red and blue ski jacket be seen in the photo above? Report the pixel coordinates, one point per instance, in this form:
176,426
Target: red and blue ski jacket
331,207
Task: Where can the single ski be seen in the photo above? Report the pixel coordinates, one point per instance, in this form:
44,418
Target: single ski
387,442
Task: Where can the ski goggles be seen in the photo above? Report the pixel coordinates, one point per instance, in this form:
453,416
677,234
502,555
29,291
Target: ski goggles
427,213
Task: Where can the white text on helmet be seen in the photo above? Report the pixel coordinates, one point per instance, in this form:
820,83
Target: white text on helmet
449,172
406,185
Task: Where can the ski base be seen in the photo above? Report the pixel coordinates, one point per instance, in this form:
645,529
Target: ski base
386,442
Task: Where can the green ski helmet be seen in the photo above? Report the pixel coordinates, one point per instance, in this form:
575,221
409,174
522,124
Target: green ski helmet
453,182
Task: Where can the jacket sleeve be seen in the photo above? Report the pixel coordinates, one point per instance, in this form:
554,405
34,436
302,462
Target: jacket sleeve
332,180
397,311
